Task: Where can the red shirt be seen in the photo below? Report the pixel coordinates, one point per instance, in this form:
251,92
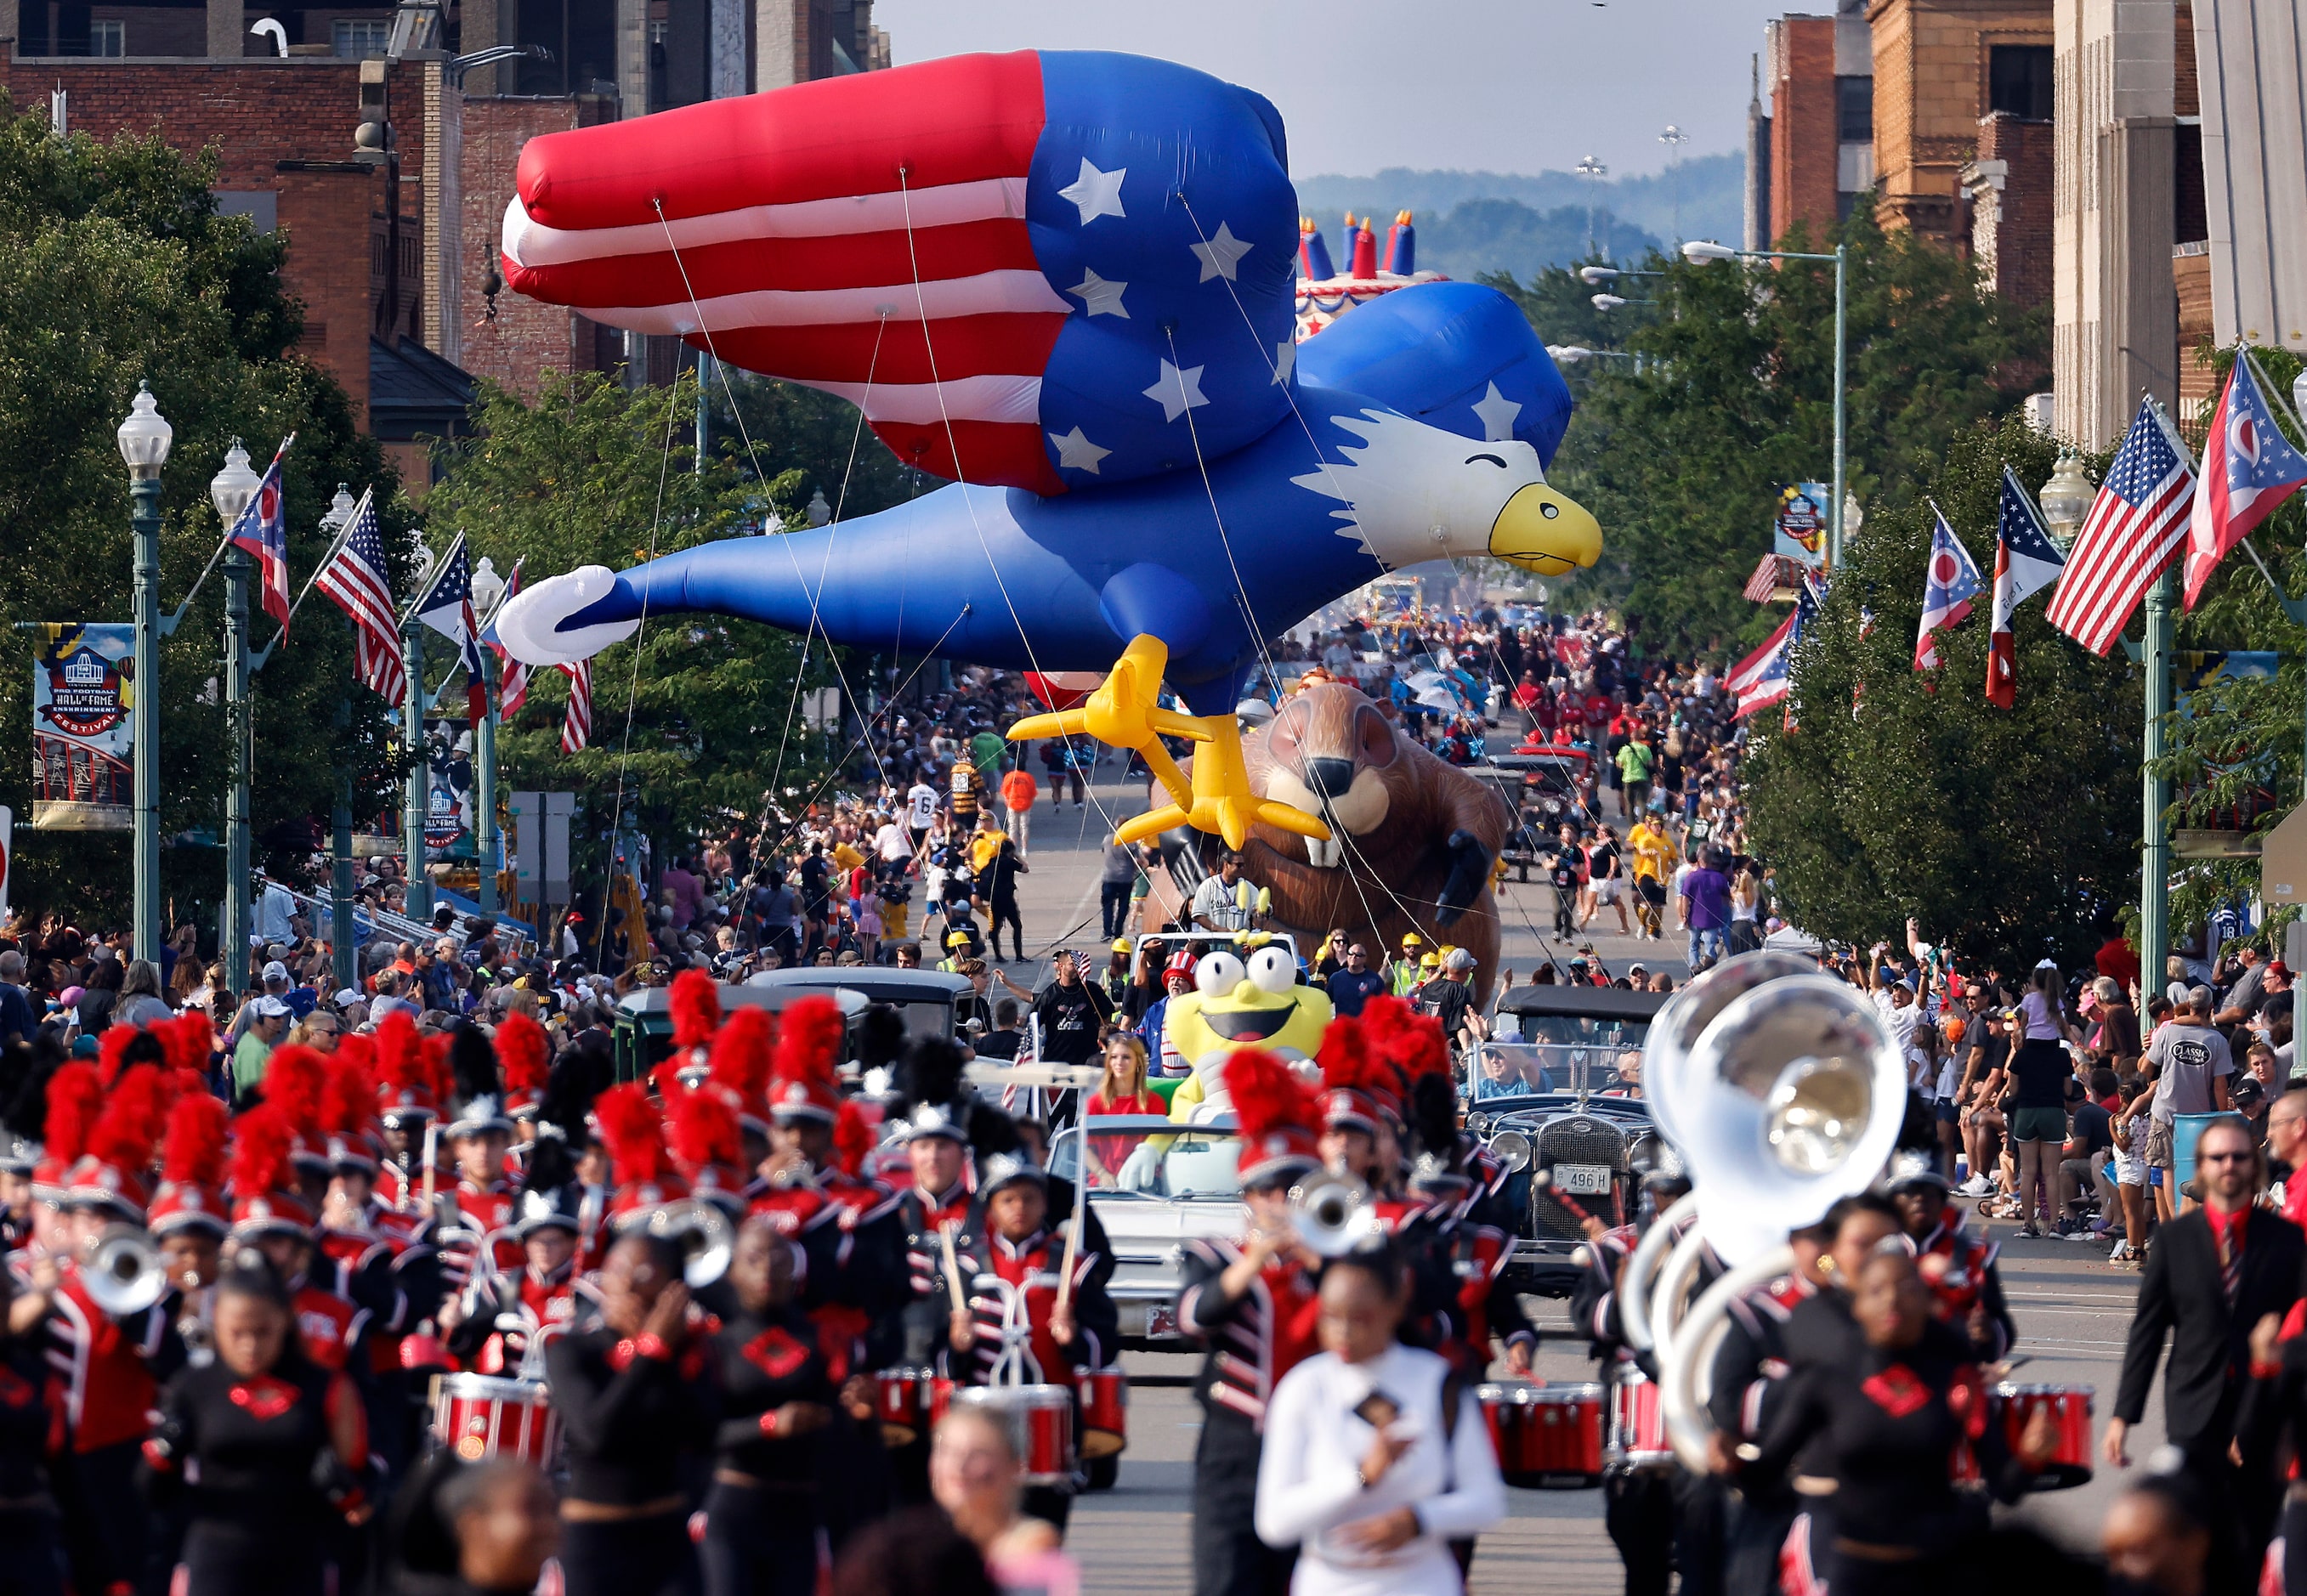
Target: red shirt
2119,962
2240,1219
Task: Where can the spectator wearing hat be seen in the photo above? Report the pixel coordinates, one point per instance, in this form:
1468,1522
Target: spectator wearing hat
1405,973
1177,981
267,1022
1449,997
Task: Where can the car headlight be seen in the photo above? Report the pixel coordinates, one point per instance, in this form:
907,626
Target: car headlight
1512,1149
1478,1123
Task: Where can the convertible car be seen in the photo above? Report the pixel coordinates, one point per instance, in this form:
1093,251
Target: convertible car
1155,1185
1560,1105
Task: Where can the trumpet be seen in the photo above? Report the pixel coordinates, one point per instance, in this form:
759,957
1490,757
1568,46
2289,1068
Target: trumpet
1333,1215
704,1235
122,1271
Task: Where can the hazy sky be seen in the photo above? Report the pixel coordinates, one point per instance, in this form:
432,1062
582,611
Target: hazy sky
1501,85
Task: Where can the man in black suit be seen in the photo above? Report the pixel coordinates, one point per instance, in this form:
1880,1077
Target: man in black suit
2211,1275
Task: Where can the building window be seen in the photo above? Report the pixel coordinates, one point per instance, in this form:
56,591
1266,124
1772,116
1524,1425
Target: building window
1854,110
2019,81
354,37
107,36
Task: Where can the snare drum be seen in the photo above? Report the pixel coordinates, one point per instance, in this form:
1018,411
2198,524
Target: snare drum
2069,1408
900,1397
1040,1420
1637,1434
1104,1411
485,1415
1548,1438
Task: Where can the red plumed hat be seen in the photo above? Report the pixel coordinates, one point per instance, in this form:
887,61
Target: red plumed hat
1357,1091
741,1057
263,1198
294,1078
188,1040
852,1138
696,1001
115,1172
348,1104
701,1131
635,1137
1412,1044
75,1100
809,1039
405,1082
121,1047
1276,1112
191,1168
525,1056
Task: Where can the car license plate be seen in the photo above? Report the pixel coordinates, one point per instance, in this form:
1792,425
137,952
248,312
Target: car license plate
1161,1320
1583,1180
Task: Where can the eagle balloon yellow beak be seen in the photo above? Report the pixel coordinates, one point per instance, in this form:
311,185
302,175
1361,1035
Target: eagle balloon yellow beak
1541,530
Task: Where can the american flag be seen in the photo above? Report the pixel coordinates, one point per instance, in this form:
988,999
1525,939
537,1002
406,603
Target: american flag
447,607
2137,526
355,583
577,722
512,676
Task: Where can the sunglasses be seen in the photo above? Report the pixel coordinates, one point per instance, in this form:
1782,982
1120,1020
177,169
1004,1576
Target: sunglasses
2223,1158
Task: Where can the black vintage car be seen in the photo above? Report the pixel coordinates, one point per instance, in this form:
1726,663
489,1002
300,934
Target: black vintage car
1565,1096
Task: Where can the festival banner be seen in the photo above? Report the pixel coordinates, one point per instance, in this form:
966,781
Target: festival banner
1799,527
83,688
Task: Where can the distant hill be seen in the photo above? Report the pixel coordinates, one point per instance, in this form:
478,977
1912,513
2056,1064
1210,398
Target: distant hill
1479,235
1707,192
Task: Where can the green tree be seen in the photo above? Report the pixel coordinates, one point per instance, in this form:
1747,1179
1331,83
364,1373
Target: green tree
2005,834
696,719
799,442
1682,459
115,268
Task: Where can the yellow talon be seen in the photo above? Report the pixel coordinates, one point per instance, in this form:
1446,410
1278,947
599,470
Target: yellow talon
1126,713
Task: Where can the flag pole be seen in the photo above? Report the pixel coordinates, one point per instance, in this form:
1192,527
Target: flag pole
344,533
2155,856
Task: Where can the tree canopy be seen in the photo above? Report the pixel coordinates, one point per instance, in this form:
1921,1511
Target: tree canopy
115,268
2006,834
1681,456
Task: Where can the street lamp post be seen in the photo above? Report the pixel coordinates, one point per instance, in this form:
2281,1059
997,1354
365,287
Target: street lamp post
2155,858
230,490
419,799
1698,252
144,440
488,588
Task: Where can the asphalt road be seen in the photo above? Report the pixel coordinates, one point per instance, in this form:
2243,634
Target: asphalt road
2072,1306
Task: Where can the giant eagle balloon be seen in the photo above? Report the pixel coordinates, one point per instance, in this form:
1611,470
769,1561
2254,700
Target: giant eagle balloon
1065,282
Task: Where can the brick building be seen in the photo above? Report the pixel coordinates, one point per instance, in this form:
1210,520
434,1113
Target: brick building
392,243
1942,69
1817,73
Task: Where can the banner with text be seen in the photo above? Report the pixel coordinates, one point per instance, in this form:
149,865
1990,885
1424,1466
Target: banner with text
84,688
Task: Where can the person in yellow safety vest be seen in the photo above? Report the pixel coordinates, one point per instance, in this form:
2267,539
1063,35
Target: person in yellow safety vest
1403,976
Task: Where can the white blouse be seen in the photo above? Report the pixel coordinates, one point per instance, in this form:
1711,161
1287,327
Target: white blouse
1309,1485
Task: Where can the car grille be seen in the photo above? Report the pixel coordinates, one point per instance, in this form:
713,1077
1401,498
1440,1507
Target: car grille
1573,1140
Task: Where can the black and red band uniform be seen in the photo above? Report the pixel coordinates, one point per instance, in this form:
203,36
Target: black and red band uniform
638,1418
111,1371
765,1514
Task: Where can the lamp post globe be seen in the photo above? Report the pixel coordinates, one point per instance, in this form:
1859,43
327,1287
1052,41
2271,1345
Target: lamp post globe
232,487
145,436
341,508
1698,252
1607,301
144,440
2066,500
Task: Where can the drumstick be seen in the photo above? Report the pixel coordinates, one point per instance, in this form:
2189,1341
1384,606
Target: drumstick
1073,1244
953,1268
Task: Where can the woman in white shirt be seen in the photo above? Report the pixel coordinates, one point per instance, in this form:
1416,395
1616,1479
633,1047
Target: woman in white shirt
1361,1468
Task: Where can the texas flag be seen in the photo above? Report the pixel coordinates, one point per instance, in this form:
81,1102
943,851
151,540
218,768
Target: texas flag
263,531
1951,583
2249,468
2025,561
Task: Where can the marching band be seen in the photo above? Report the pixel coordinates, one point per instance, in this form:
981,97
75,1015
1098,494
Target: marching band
729,1304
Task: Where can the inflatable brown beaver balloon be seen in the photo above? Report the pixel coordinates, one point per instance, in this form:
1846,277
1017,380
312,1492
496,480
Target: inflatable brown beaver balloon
1413,838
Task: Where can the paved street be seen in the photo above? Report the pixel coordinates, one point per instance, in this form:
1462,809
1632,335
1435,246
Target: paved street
2072,1307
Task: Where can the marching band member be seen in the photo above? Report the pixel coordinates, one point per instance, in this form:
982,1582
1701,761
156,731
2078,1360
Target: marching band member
764,1532
1251,1303
31,1409
269,1215
633,1388
1359,1107
1642,1509
1957,1265
267,1446
190,1217
111,1367
412,1085
1015,1330
1883,1425
525,1060
488,1326
18,1159
1749,1375
939,1201
483,1197
1463,1298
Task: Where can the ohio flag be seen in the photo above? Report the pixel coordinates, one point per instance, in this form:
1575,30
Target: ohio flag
2249,468
1950,584
263,531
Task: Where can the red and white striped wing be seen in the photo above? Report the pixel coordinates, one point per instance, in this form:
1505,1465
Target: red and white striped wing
865,235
